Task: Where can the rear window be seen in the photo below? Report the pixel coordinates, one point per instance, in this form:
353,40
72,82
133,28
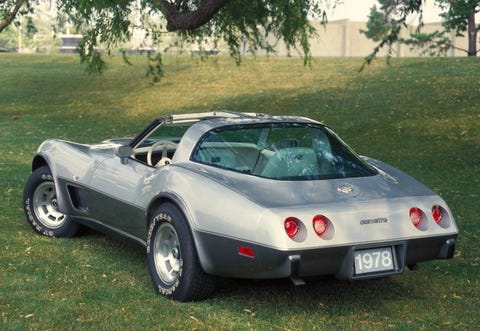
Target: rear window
286,151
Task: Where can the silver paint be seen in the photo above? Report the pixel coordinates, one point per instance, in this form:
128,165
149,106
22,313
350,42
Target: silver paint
236,206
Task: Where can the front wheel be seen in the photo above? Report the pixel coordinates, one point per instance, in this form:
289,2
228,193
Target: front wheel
172,258
41,206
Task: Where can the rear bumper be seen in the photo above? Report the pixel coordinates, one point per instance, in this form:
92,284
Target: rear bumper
220,256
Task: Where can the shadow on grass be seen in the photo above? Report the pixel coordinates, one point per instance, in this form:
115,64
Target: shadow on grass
317,290
322,290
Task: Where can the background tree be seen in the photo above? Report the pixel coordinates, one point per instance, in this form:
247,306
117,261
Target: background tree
27,25
385,23
15,21
459,17
8,40
12,10
235,22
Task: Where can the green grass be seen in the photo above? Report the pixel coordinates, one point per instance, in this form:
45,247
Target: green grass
420,115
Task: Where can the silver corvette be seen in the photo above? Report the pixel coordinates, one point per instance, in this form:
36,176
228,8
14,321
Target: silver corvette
240,195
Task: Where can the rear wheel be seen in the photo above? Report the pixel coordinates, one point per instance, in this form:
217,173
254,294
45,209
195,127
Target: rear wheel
41,206
172,258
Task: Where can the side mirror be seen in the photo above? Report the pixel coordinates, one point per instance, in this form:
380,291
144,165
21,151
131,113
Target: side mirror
124,153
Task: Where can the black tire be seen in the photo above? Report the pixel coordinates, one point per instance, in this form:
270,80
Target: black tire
41,209
172,258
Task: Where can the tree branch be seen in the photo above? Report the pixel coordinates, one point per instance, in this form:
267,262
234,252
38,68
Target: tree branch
189,20
460,49
11,16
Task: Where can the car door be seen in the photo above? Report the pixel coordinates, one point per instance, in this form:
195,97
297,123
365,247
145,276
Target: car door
115,188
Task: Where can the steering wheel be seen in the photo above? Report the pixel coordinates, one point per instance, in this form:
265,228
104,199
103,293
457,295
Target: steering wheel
166,144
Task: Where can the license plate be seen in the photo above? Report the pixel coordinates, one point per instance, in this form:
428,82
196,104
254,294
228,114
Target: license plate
374,260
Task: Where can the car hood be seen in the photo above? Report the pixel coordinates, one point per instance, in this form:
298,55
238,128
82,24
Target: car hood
389,183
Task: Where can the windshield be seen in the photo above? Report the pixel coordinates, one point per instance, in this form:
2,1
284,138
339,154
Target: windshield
169,132
287,151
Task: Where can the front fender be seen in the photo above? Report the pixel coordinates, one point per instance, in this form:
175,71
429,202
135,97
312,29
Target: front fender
43,158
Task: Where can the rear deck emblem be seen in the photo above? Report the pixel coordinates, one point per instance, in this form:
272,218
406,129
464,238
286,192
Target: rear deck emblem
345,188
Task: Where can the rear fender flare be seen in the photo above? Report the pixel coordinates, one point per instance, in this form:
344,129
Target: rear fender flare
172,197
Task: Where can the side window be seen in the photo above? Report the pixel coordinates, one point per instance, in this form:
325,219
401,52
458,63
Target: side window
158,148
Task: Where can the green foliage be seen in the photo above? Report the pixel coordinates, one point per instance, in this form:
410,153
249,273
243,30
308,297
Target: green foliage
456,13
460,16
12,11
30,29
384,26
420,115
377,27
241,24
9,40
434,44
155,68
105,23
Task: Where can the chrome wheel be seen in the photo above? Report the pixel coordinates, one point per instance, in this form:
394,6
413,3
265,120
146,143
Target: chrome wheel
45,206
40,203
172,258
166,253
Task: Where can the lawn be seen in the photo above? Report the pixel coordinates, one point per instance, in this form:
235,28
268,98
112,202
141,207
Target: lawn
421,115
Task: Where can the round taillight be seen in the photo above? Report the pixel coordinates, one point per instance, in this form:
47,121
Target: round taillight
320,225
416,216
292,227
437,214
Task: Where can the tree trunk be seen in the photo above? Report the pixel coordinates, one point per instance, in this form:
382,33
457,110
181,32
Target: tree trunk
189,20
472,35
11,16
